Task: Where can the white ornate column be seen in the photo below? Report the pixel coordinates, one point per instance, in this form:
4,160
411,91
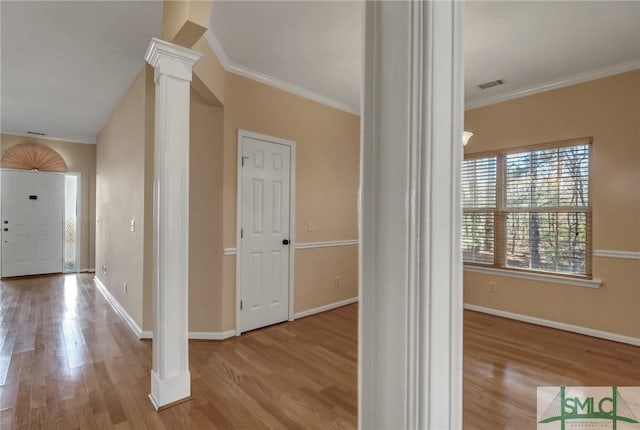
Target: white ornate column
411,263
170,377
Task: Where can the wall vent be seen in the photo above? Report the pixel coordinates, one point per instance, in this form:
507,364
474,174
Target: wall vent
491,84
35,133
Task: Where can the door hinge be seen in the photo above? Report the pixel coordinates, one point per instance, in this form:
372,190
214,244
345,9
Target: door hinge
240,304
241,233
243,158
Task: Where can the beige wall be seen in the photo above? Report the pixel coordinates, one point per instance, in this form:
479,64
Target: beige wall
315,276
120,197
205,216
150,100
125,179
80,158
327,149
327,178
608,110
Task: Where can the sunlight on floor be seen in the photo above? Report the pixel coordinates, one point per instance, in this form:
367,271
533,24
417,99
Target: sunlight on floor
71,296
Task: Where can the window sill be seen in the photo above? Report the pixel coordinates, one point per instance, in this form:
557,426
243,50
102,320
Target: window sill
588,283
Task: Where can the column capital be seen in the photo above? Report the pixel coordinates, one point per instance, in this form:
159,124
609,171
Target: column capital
170,59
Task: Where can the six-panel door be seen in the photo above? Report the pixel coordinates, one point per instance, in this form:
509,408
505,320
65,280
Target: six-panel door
266,177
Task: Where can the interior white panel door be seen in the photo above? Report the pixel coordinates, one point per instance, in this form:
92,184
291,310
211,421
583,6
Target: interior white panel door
32,223
266,177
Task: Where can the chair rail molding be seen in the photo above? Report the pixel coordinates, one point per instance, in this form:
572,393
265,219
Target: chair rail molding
410,350
327,244
611,253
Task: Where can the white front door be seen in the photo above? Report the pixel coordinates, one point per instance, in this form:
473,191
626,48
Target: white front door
32,223
265,236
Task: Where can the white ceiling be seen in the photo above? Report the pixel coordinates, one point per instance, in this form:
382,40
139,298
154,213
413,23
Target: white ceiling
533,43
66,65
316,45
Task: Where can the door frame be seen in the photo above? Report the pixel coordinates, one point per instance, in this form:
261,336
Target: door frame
292,217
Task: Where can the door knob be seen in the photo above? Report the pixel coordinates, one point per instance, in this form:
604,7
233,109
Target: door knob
285,242
6,229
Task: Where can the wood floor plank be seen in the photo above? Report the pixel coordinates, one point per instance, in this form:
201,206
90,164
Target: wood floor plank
67,361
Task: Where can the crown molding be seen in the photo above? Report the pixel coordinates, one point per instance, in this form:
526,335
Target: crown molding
159,48
552,85
231,67
87,141
217,48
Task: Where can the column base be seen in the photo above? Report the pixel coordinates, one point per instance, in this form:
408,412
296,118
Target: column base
165,392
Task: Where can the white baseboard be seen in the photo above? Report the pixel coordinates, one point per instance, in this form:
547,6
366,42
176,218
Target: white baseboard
197,335
325,308
555,324
115,304
87,270
147,334
211,335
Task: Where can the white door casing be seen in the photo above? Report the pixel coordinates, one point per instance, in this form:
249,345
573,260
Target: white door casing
32,223
264,289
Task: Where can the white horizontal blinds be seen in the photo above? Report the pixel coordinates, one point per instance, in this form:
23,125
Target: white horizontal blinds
548,210
479,206
479,182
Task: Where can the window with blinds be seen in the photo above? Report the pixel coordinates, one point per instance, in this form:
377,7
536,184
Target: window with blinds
529,209
479,207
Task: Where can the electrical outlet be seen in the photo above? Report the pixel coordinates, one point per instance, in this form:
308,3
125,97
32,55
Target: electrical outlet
104,269
125,288
492,287
337,281
132,226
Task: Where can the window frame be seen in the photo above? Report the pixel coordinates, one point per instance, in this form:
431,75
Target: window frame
501,210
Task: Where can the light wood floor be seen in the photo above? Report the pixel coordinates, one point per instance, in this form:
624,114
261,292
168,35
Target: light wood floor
68,362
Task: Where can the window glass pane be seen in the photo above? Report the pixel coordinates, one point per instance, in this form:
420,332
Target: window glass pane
552,242
548,178
479,183
574,176
477,237
70,224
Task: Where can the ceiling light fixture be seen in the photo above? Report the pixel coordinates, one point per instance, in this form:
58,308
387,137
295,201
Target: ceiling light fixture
465,137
